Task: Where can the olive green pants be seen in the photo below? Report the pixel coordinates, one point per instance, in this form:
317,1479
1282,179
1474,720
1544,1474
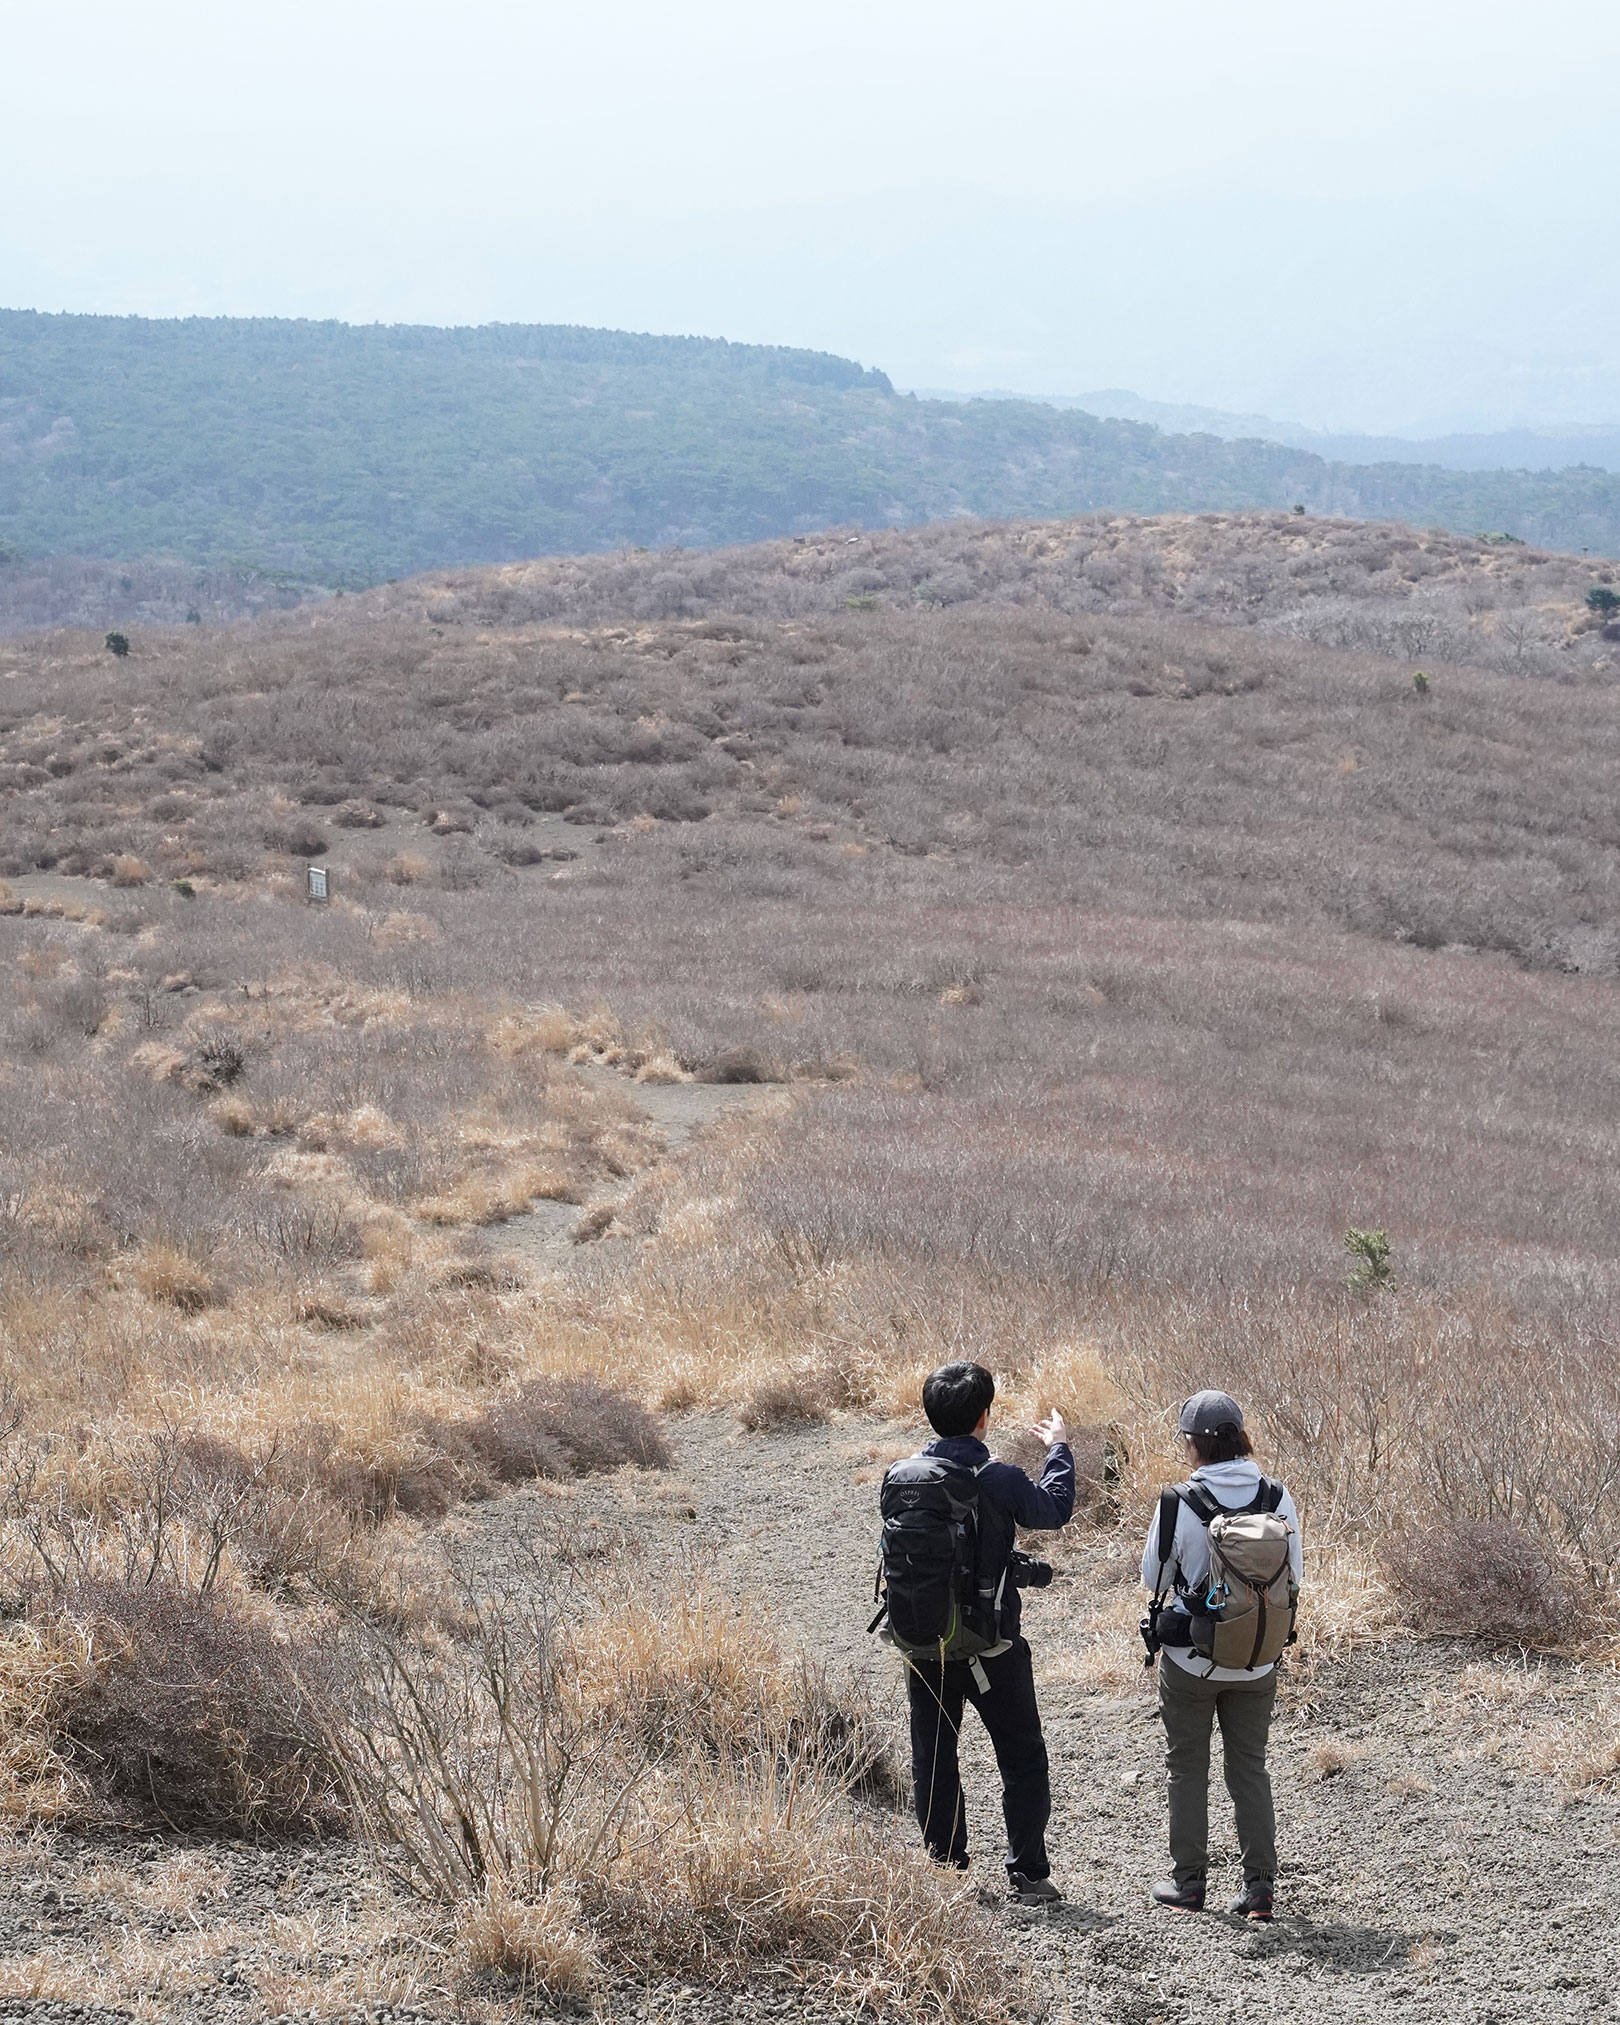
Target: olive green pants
1190,1707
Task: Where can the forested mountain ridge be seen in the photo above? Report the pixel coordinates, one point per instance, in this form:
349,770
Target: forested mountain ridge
346,455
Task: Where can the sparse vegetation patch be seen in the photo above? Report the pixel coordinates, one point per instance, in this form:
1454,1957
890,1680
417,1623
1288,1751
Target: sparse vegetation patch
732,1012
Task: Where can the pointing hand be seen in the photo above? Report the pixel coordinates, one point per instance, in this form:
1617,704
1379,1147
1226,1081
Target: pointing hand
1052,1430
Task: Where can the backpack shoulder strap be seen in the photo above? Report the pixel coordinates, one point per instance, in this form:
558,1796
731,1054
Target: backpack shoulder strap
1268,1497
1169,1511
1199,1502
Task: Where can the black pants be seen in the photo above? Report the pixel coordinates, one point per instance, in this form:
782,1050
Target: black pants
1009,1713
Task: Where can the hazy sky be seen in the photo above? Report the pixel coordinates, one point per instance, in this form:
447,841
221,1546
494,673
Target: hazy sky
1356,213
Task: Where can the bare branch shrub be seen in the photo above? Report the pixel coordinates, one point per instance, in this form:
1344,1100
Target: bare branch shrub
195,1713
652,1796
1481,1578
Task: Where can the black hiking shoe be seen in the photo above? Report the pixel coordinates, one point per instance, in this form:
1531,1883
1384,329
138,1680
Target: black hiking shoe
1255,1904
1188,1897
1032,1890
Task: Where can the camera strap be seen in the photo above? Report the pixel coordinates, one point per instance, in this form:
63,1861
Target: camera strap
1169,1515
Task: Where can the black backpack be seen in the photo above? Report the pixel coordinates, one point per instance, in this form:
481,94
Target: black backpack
928,1580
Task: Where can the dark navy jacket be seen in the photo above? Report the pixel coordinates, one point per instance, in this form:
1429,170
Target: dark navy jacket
1008,1500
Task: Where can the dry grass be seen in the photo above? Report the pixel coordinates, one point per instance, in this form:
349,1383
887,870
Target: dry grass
164,1274
541,1946
1332,1759
1100,1650
752,1875
1098,997
1555,1717
43,1667
657,1793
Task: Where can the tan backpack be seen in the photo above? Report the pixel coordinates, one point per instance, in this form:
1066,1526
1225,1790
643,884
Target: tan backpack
1246,1613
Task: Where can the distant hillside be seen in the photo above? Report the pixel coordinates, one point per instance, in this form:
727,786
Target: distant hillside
348,455
1346,584
1521,449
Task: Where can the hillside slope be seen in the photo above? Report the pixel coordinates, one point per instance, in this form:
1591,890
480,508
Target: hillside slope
1063,953
351,455
1170,716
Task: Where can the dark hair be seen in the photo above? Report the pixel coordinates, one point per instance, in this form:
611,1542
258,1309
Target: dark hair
1222,1444
956,1397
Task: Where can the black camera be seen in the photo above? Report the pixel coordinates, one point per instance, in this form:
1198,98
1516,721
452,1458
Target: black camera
1025,1572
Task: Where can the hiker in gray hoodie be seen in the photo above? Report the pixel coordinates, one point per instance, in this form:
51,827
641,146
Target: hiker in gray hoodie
1195,1694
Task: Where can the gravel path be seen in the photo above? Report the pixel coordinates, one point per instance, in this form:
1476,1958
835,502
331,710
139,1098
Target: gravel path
1427,1878
542,1239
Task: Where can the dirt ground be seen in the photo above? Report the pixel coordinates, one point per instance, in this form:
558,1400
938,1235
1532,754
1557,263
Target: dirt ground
1428,1871
1425,1874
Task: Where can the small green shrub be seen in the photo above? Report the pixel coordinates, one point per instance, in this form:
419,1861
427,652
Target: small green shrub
1372,1272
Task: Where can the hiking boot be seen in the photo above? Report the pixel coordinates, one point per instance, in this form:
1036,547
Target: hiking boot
1255,1904
1188,1897
1032,1890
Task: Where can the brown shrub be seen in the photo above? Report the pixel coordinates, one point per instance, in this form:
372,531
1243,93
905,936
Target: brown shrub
546,1427
783,1398
1482,1578
297,839
739,1065
277,1511
196,1715
510,1443
396,1466
593,1427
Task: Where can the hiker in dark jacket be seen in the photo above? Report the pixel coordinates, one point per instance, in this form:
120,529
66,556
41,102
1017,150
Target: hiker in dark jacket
1000,1683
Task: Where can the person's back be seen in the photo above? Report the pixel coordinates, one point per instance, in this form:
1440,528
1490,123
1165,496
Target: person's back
1195,1689
994,1672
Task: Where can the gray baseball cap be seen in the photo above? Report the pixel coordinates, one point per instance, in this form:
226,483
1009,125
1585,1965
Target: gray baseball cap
1206,1411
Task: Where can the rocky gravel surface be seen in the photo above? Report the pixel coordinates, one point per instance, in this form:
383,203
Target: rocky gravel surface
1425,1875
1428,1872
